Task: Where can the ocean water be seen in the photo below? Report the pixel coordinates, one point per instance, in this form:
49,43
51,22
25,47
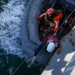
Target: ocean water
11,56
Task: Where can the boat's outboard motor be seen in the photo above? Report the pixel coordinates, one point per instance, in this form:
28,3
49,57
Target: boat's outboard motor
69,3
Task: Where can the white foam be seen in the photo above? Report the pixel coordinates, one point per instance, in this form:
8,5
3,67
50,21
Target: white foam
10,27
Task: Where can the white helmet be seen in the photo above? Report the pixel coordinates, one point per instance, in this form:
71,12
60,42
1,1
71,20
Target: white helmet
51,47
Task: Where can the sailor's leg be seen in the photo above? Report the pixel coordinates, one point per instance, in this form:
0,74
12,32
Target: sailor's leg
39,48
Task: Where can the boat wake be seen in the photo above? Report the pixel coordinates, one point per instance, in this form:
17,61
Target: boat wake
10,27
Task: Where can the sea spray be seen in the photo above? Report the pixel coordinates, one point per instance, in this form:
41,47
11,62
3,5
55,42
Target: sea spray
10,27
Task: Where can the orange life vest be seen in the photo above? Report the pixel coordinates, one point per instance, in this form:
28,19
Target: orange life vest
56,21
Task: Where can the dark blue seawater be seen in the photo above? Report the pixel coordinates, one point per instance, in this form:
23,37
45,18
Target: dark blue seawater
2,2
9,62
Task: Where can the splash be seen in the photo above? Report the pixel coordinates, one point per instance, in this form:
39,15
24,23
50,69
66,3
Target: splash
10,27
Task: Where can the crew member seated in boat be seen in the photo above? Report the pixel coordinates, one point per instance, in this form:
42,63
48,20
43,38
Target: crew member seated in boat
52,16
54,40
51,43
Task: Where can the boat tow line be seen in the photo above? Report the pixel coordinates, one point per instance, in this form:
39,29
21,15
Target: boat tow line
18,67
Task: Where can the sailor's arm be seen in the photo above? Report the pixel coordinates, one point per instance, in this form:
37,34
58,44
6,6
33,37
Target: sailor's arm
41,16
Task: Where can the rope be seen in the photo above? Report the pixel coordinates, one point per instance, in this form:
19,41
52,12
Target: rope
17,68
32,62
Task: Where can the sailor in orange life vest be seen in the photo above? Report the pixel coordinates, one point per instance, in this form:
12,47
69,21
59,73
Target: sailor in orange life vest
55,19
50,42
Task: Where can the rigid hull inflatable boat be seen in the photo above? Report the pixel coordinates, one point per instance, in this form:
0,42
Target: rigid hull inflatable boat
30,26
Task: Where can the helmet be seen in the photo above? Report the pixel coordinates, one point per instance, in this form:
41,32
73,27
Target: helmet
51,47
50,11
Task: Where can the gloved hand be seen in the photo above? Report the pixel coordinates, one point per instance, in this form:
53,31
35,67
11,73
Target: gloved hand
39,18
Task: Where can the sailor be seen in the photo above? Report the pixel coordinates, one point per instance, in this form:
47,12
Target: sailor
52,16
52,43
